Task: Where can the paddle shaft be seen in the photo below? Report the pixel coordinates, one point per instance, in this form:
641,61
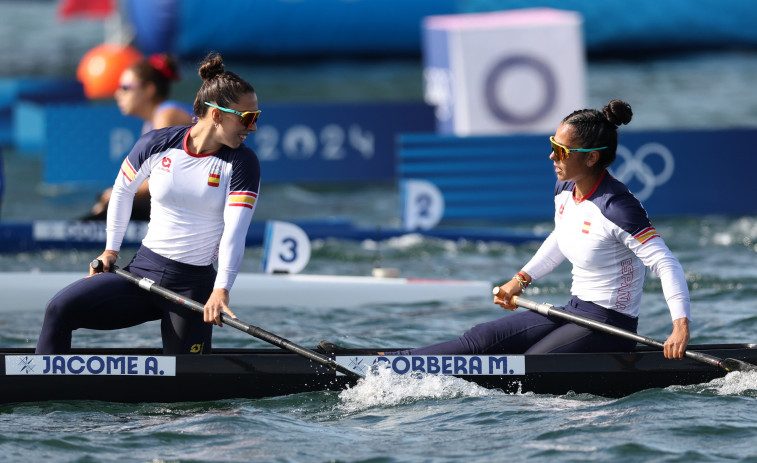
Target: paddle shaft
278,341
550,310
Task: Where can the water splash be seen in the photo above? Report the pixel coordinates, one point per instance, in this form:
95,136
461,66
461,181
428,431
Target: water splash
383,388
738,383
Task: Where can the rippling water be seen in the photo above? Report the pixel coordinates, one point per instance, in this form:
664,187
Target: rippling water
391,419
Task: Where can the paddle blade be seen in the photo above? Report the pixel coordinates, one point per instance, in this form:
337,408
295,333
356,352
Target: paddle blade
737,365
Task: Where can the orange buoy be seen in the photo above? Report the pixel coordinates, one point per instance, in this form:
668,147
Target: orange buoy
100,68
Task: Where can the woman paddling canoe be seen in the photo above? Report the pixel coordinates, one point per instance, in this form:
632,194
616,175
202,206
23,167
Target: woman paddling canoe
604,232
204,185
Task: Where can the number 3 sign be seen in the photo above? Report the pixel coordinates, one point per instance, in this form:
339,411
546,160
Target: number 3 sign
286,248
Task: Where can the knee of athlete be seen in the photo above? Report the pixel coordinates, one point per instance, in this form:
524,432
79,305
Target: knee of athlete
56,310
473,339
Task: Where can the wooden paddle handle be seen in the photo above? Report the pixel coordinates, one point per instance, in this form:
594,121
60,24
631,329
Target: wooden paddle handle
497,291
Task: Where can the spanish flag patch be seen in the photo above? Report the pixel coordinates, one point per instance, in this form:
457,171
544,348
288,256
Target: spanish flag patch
214,179
243,198
587,226
646,235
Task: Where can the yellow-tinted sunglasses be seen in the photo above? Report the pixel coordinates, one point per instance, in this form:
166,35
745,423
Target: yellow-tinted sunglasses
562,152
247,118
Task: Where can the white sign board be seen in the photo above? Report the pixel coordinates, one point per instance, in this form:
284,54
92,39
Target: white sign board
516,71
286,248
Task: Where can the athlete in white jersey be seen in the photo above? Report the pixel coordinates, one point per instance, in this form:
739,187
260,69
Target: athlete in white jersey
609,240
604,232
204,185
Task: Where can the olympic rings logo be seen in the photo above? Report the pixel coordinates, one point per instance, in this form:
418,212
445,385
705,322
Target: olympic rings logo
543,74
634,167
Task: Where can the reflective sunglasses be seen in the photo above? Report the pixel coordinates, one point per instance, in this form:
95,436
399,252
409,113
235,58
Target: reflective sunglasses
562,152
247,118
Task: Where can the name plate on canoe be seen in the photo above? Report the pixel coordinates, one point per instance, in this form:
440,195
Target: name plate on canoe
458,365
102,365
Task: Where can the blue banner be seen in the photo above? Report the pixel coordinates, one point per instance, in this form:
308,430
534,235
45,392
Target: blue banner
334,143
282,27
500,179
381,27
314,143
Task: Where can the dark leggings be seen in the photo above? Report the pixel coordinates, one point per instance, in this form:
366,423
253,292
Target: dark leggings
107,301
533,333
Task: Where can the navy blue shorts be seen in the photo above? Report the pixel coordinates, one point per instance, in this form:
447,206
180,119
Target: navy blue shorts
106,301
533,333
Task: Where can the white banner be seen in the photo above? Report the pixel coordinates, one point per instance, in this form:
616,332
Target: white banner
422,204
97,365
286,248
517,71
458,365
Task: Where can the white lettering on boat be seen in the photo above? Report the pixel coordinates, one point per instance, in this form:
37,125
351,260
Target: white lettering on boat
103,365
458,365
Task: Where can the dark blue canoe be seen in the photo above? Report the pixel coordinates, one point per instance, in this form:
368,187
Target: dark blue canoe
145,375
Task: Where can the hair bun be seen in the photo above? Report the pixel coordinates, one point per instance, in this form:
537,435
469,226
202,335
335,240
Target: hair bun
618,112
211,66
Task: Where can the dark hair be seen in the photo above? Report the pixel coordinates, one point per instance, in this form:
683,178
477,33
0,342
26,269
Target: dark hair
594,128
218,86
160,70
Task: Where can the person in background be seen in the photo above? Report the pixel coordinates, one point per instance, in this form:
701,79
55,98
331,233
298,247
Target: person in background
604,232
143,92
204,184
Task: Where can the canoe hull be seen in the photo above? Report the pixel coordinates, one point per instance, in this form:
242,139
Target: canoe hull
258,373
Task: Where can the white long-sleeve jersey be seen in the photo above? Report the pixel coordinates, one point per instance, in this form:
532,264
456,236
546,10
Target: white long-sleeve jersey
608,238
200,206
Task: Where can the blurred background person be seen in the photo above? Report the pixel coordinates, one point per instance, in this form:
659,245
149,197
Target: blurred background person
143,92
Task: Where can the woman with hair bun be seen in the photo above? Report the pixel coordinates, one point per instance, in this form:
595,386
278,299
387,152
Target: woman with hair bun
143,92
204,184
604,232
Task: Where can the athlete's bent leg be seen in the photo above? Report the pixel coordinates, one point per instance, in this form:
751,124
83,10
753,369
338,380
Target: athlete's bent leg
512,334
575,338
104,301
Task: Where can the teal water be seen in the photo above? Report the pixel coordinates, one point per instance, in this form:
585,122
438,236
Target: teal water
395,419
453,423
414,420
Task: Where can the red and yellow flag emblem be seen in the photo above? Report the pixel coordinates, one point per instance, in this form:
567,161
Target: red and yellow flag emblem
214,179
243,198
128,170
646,235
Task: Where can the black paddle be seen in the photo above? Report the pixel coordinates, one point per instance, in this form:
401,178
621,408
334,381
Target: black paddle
543,308
259,333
